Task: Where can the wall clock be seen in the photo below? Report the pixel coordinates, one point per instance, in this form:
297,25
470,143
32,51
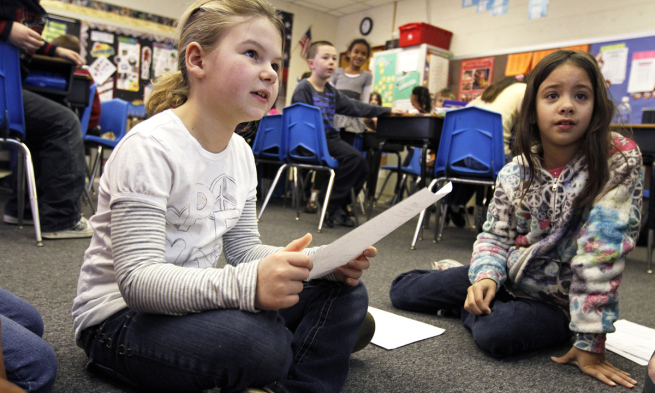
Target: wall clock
366,26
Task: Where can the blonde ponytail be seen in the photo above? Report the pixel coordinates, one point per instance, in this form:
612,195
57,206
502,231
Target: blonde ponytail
170,91
205,23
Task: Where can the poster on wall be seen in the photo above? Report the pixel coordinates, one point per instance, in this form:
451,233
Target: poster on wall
475,77
384,77
164,59
128,69
122,61
642,72
437,71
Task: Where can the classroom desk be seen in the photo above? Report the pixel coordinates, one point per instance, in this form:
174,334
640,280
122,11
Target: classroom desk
418,130
644,135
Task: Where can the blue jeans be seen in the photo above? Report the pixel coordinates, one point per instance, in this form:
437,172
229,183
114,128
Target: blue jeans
515,325
304,348
29,361
54,137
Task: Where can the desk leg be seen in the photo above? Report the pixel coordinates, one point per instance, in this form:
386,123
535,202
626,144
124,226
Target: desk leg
373,180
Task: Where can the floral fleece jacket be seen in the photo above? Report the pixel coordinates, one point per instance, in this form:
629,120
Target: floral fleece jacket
545,249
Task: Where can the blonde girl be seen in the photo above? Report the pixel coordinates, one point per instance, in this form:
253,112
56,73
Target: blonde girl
565,212
153,307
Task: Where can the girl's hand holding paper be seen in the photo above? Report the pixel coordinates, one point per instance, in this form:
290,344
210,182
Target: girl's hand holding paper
353,270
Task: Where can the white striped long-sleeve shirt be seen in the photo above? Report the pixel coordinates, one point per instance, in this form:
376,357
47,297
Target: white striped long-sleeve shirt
149,284
167,211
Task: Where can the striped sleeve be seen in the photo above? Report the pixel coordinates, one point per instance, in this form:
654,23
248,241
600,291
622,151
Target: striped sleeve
147,283
242,243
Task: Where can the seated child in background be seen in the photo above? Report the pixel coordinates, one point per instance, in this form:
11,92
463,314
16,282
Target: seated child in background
421,100
372,122
439,99
71,42
353,169
53,132
547,269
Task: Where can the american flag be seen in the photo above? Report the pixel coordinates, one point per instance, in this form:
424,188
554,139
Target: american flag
305,42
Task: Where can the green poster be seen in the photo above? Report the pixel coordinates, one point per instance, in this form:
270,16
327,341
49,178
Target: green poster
53,30
384,76
405,84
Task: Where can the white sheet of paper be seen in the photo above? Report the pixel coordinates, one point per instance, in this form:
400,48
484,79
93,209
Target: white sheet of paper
632,341
408,60
642,73
393,331
101,69
353,243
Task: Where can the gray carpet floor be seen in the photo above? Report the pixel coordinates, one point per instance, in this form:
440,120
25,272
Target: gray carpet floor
47,277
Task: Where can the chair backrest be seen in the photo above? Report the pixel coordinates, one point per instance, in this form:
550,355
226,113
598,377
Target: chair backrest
86,115
268,140
471,144
414,164
114,117
12,117
304,136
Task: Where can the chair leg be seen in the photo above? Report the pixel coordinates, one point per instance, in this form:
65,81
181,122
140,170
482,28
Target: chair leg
383,186
87,196
94,170
26,171
270,191
419,224
398,195
327,199
651,234
354,206
295,197
21,165
418,229
442,221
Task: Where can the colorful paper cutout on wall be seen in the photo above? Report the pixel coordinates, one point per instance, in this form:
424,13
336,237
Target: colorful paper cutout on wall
518,64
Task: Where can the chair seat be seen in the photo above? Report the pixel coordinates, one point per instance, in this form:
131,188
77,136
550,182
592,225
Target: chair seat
111,143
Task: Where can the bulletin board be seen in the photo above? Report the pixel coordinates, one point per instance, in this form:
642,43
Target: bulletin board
635,48
616,71
123,61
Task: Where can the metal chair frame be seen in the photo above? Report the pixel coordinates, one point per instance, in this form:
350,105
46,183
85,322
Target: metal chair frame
12,128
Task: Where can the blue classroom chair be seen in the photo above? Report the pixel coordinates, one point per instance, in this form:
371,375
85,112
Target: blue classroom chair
413,168
113,118
267,149
471,150
304,146
12,130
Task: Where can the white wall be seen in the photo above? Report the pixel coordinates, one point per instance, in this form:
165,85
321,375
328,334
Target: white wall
324,27
475,34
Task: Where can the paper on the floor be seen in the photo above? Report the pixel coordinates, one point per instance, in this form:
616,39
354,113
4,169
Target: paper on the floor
632,341
393,331
352,244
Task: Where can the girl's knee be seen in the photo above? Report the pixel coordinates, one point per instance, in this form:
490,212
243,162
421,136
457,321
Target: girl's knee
39,368
401,292
495,342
